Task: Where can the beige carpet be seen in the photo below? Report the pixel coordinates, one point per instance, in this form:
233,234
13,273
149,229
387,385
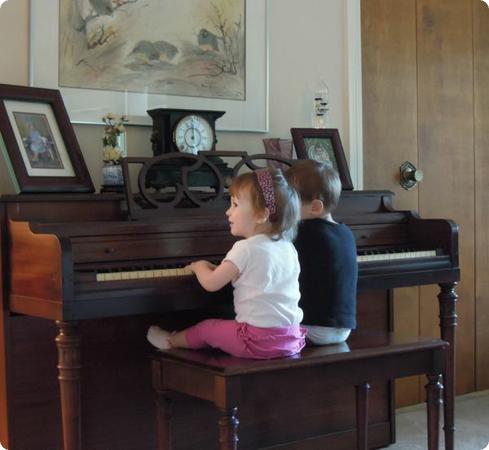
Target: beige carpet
471,423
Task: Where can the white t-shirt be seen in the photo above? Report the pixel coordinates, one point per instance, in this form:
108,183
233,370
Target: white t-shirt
266,293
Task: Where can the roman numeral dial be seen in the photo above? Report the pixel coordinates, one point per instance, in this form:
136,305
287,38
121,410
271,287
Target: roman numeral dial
193,133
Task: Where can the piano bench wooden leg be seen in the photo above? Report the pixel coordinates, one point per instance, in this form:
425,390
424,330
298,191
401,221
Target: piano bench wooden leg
361,392
163,418
433,398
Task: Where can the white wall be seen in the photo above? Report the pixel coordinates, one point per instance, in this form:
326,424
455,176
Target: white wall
308,41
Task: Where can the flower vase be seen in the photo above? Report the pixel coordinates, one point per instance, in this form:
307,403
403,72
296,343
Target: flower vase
114,149
121,144
112,175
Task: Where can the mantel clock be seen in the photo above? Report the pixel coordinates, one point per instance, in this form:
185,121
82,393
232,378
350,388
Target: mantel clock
183,130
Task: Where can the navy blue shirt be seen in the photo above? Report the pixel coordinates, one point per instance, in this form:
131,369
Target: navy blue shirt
329,271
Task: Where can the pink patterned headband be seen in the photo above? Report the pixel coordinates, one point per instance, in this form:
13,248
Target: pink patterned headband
265,181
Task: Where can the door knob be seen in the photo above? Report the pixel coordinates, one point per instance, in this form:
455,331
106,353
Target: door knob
410,176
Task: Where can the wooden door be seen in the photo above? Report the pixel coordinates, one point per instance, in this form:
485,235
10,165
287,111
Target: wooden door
481,146
445,149
418,85
390,128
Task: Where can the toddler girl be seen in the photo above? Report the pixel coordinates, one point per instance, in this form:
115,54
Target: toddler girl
263,269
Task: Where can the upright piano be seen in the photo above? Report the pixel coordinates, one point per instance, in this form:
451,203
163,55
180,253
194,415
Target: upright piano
81,283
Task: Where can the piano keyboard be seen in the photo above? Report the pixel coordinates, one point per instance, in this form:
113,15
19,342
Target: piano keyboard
389,256
139,274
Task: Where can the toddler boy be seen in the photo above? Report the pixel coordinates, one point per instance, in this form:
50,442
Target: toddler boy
327,255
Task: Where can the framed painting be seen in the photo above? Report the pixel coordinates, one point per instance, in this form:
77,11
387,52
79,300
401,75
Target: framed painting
323,145
129,56
38,142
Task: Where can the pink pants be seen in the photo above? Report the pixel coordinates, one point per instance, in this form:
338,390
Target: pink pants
246,341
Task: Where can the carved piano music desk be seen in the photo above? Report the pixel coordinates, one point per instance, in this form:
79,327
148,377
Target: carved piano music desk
79,276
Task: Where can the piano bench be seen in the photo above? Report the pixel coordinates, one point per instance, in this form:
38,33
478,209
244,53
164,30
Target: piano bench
221,379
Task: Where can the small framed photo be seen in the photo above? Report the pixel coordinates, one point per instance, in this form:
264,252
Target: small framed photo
38,142
323,145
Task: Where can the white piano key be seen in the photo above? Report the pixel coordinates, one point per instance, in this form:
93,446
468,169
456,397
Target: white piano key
112,276
101,277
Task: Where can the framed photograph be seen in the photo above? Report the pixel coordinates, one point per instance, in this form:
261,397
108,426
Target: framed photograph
38,142
323,145
130,56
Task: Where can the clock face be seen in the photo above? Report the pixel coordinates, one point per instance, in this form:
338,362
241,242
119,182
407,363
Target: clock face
193,134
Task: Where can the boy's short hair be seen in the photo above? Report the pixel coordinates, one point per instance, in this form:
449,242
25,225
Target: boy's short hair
315,181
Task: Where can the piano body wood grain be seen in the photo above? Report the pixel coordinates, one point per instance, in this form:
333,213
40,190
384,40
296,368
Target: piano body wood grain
55,245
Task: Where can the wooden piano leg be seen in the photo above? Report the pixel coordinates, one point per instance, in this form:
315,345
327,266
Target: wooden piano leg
433,389
228,429
69,375
448,321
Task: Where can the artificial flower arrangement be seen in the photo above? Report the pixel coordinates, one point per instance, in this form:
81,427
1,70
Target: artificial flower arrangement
113,128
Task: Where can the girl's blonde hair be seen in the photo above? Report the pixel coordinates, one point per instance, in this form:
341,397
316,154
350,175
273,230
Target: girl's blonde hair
284,222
